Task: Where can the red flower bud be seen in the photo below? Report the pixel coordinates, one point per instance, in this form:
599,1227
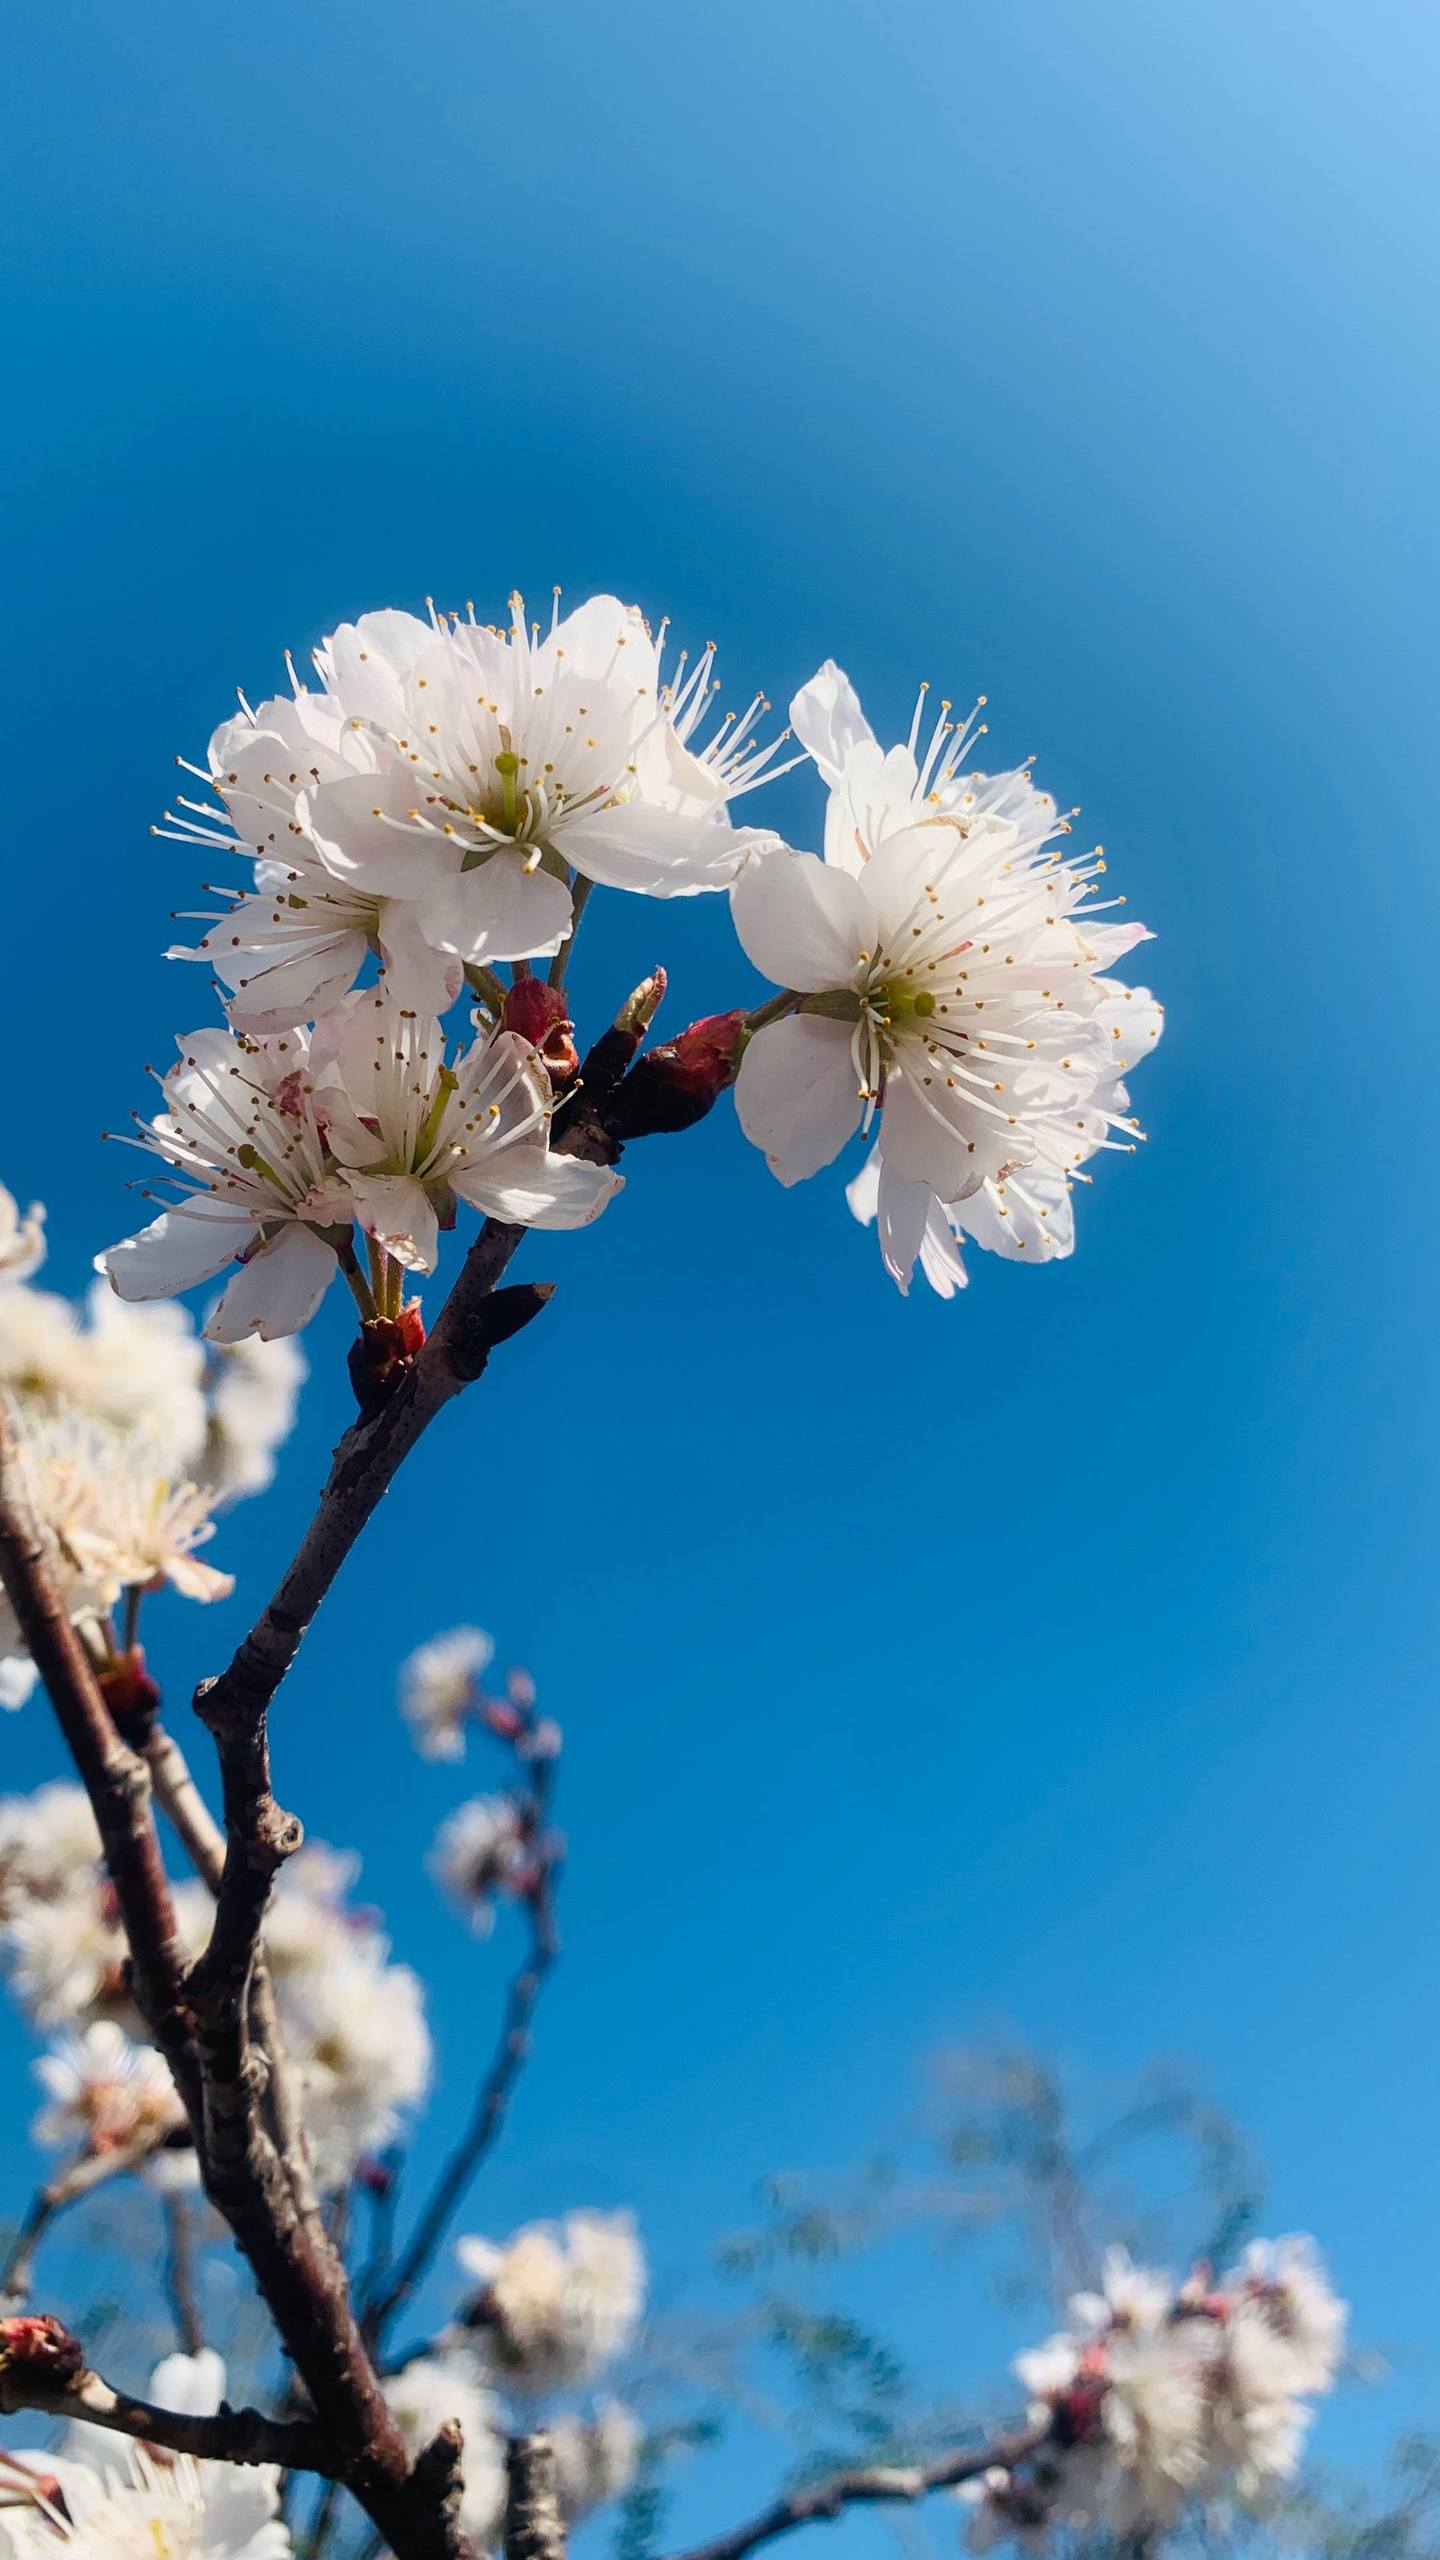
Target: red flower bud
42,2345
541,1015
382,1354
132,1697
675,1085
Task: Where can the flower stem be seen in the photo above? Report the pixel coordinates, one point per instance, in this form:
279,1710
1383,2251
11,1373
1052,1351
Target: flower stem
580,891
774,1011
360,1289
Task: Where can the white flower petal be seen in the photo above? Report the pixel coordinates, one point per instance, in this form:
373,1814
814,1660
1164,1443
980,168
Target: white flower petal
175,1251
801,923
796,1093
278,1290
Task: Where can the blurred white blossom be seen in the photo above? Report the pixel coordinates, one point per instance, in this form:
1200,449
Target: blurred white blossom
559,2301
478,1850
437,1690
432,2391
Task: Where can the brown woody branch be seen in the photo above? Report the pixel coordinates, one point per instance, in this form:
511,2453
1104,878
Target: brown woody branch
883,2484
229,2435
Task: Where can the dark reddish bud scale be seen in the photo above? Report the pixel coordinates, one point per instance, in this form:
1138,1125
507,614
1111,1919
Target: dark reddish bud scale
1076,2418
672,1087
41,2345
541,1015
502,1721
132,1697
375,2178
383,1354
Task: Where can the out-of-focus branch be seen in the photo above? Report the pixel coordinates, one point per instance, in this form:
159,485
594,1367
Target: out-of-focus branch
512,2048
882,2484
180,2276
94,2169
533,2530
487,2117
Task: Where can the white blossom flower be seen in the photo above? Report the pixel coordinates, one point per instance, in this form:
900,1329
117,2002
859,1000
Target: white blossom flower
240,1128
478,1850
22,1239
123,1365
560,2300
1282,2284
596,2458
356,2031
254,1391
1129,2297
65,1957
437,1689
49,1844
428,2394
105,2092
154,2506
1027,1218
123,2501
415,1132
946,970
1155,2414
430,802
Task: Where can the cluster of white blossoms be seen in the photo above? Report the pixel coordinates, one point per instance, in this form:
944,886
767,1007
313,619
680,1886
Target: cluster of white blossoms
440,805
134,1432
1158,2396
557,2305
103,2498
354,2021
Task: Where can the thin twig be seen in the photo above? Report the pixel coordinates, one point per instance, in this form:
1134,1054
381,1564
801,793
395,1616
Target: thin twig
880,2484
487,2117
93,2169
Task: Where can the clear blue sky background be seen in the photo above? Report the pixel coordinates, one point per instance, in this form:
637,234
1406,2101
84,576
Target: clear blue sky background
1063,1657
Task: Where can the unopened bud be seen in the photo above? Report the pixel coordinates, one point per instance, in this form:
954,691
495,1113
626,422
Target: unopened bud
42,2345
383,1354
132,1697
672,1087
639,1010
1075,2417
541,1015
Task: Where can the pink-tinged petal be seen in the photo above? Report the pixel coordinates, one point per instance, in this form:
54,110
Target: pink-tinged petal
277,1291
393,1209
802,923
1107,943
547,1191
175,1252
828,721
797,1095
498,911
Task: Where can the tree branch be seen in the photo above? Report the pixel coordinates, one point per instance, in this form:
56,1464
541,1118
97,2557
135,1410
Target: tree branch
882,2484
93,2169
230,2435
533,2530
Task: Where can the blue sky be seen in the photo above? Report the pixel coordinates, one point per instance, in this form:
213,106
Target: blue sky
1062,1657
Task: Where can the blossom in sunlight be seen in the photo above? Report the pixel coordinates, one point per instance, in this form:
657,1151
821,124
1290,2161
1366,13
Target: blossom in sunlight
104,2092
945,965
558,2301
1158,2394
49,1841
438,1684
433,2391
480,1851
431,801
596,2458
414,1130
62,1947
122,2501
240,1132
254,1391
22,1239
1027,1218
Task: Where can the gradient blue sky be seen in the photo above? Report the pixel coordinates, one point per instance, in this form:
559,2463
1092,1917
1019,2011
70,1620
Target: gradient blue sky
1062,1657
